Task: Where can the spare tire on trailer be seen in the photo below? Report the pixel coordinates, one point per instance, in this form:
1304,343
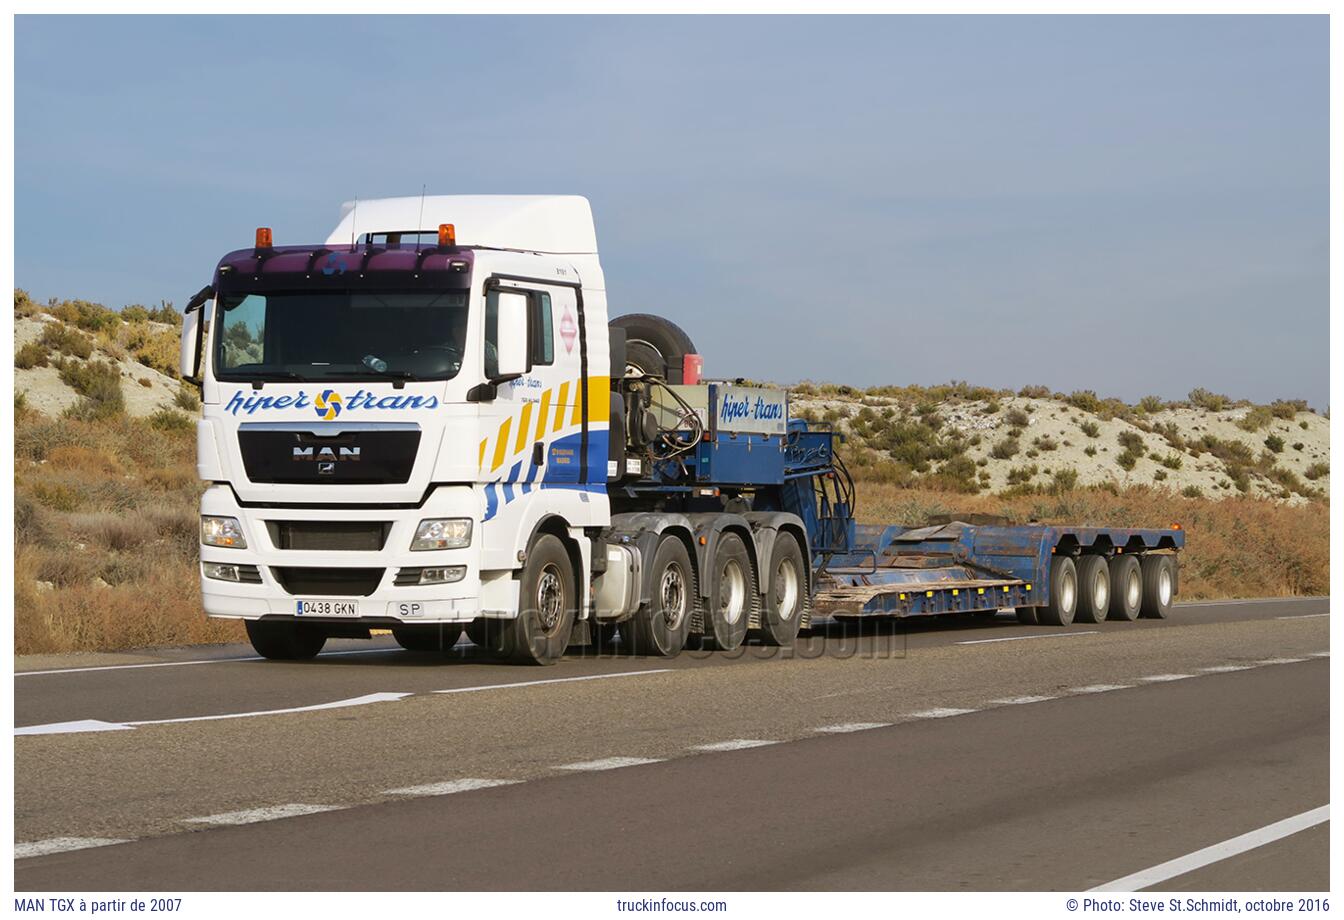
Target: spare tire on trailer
654,345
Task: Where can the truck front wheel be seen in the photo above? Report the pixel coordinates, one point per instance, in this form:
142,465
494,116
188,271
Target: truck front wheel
282,640
547,603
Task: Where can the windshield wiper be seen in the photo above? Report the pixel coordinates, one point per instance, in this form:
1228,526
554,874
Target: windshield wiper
258,378
398,377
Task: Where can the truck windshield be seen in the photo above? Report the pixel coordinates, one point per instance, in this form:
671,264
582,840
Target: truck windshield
332,335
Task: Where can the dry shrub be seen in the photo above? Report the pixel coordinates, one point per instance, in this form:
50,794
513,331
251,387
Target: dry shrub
1235,547
91,460
163,607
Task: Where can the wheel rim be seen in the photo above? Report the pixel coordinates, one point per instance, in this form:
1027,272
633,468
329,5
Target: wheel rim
672,592
786,589
1068,591
1164,587
732,592
1133,589
550,596
1101,591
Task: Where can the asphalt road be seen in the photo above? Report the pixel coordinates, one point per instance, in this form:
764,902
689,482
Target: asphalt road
963,755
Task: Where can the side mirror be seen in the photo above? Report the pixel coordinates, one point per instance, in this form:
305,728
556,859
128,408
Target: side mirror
511,340
191,346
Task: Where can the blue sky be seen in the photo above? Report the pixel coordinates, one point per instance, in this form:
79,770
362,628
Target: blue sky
1128,204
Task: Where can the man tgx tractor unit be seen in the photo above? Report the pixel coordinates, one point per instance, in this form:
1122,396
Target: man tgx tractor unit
427,424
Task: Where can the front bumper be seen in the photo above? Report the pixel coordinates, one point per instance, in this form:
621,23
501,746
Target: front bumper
379,600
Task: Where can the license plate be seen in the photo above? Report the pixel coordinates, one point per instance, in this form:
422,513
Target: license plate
326,608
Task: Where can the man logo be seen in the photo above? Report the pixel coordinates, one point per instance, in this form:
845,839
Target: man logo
325,455
327,405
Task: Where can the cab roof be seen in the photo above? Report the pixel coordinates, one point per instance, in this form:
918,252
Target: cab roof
560,224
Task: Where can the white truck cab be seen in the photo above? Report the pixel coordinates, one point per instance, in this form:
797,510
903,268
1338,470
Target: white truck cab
393,419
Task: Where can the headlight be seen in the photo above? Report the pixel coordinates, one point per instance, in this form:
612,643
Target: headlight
222,531
442,533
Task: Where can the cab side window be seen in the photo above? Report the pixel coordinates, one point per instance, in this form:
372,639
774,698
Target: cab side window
540,330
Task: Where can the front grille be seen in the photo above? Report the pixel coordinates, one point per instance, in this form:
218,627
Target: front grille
353,456
323,581
352,536
249,574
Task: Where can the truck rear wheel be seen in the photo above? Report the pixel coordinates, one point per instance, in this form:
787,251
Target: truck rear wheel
1126,588
437,637
1159,586
1094,589
786,597
546,606
660,627
1063,593
654,345
732,593
283,640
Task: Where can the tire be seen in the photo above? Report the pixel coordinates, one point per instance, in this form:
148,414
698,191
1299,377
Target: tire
1027,616
547,605
604,635
786,596
1159,586
283,640
1063,593
486,633
732,593
652,340
439,637
661,626
1094,589
1126,588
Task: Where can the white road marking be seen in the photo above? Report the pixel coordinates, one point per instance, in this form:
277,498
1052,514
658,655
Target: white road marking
1320,654
268,813
61,845
66,728
1021,700
609,763
1253,600
844,727
737,744
1219,851
93,725
1269,661
178,664
553,680
1164,678
940,713
448,788
1302,616
1228,668
1102,688
1060,635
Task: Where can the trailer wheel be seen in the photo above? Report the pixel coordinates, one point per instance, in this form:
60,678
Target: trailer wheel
1063,593
654,345
660,627
732,593
1094,589
282,640
546,606
1159,586
1126,588
786,597
439,637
